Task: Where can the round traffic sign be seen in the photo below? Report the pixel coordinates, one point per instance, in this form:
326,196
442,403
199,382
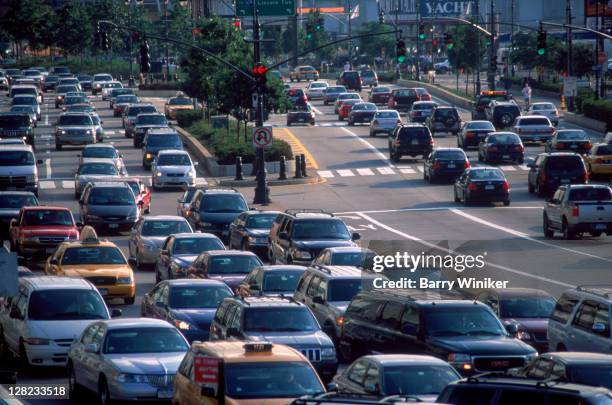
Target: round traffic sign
262,137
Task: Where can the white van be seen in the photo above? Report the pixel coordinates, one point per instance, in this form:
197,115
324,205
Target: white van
18,169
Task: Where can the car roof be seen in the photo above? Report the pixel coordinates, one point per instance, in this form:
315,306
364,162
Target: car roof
234,352
434,297
281,267
16,192
56,283
256,212
107,184
387,110
17,147
163,218
349,249
230,253
121,323
162,131
185,235
46,208
529,382
519,292
89,161
99,145
347,272
263,301
404,360
531,116
602,291
576,358
199,282
173,152
478,122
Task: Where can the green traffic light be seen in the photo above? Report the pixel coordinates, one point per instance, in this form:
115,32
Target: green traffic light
401,59
450,46
421,36
541,51
309,36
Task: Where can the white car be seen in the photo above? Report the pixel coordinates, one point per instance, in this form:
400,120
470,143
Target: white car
108,87
40,324
316,90
173,168
98,80
102,151
533,128
548,110
384,121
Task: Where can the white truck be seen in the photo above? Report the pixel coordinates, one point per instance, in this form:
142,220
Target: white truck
579,208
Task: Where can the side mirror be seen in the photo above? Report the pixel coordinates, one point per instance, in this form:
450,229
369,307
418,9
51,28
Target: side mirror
54,261
164,252
232,332
283,236
512,329
332,386
599,327
13,222
371,388
318,300
355,236
115,313
91,348
207,391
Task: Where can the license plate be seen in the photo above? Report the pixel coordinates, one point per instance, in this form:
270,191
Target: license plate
573,146
451,166
506,156
600,226
415,142
165,394
50,251
113,226
489,187
103,291
565,181
301,119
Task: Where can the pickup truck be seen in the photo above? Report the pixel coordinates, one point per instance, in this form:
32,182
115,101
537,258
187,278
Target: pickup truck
579,208
37,231
304,73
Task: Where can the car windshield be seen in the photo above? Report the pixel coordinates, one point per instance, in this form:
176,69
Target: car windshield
504,139
351,96
590,194
80,120
65,89
47,218
335,89
108,153
173,160
417,380
111,196
534,121
84,78
462,321
169,141
141,110
164,228
526,307
261,221
446,113
565,163
359,259
321,229
597,375
195,246
23,108
180,101
151,120
25,101
233,264
480,125
16,201
540,107
127,99
578,135
280,281
492,174
223,203
407,133
387,114
51,79
270,380
23,91
102,78
423,106
381,89
93,255
279,319
450,155
75,100
144,340
367,73
16,158
98,168
365,107
14,121
198,297
405,93
116,92
601,150
343,289
318,85
62,305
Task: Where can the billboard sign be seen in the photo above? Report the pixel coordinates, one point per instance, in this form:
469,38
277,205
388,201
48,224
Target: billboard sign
447,8
590,9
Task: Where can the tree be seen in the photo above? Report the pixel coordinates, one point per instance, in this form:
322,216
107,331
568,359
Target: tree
317,36
379,45
31,21
76,31
463,54
582,59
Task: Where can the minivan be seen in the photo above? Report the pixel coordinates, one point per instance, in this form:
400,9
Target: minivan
18,169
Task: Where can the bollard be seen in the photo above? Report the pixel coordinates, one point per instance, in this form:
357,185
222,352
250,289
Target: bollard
283,169
303,165
238,169
298,167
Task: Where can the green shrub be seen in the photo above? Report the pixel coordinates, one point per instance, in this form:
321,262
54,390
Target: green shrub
599,109
186,118
160,86
581,97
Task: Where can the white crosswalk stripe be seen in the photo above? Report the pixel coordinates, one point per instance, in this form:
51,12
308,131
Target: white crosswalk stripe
402,170
407,170
326,174
67,184
385,170
365,172
508,168
345,173
420,168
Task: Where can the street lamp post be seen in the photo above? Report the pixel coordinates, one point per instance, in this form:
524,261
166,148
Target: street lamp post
128,3
477,12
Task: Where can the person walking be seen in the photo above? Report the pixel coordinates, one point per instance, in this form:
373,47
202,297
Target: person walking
347,66
526,95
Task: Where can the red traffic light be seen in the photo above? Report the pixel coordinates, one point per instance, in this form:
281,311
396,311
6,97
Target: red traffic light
259,70
237,23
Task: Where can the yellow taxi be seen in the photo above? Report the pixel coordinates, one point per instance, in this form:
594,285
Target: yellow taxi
244,373
599,159
174,104
99,261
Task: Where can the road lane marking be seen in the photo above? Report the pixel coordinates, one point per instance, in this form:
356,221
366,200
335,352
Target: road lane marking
508,168
46,119
345,173
524,235
67,184
48,168
299,145
407,170
365,172
385,170
325,174
316,110
442,208
421,169
45,185
370,146
446,250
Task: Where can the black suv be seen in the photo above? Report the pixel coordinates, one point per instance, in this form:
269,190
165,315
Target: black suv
351,80
466,333
213,210
444,119
550,170
410,139
502,390
17,125
276,320
298,236
327,291
484,99
502,113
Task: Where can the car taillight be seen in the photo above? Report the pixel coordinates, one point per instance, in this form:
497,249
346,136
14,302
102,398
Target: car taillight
399,121
586,176
506,186
519,148
394,103
466,164
435,165
473,186
575,211
588,144
469,134
560,145
431,141
303,98
542,176
492,148
551,130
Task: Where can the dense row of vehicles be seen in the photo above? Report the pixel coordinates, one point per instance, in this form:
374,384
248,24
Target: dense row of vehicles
221,326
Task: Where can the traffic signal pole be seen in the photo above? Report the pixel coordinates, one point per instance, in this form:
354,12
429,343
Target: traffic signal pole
492,50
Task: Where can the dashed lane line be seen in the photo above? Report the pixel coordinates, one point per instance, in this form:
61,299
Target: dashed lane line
369,146
48,168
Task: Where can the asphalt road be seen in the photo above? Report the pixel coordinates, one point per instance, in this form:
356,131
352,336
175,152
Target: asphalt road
384,201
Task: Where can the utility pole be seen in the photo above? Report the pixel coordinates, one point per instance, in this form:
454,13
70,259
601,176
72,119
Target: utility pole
262,192
492,53
597,51
568,15
166,35
418,42
130,41
601,27
478,61
294,39
511,54
350,43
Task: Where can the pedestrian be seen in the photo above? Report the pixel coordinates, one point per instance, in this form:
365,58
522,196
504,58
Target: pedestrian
526,95
347,66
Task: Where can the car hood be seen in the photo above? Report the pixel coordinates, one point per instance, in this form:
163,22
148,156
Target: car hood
64,329
147,363
483,345
184,260
529,324
219,217
173,169
73,127
321,244
255,232
119,210
49,230
232,280
84,178
195,316
293,339
97,270
16,170
158,241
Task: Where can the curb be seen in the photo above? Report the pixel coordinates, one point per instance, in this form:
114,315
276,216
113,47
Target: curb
288,182
586,122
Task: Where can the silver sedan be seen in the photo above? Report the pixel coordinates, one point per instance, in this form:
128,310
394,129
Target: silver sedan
126,359
148,235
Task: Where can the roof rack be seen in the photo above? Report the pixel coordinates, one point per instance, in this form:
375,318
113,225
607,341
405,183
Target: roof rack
603,291
295,211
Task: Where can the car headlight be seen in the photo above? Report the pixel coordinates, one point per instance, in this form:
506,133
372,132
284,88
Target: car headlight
159,174
328,352
191,173
37,341
62,132
149,156
182,325
88,132
530,358
98,85
132,378
124,280
301,254
523,335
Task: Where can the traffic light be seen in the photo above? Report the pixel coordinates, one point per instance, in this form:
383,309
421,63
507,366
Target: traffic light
309,30
237,24
318,26
145,57
541,42
381,17
493,62
400,51
259,71
105,41
448,41
421,31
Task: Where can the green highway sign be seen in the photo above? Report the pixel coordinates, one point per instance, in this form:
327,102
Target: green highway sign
266,8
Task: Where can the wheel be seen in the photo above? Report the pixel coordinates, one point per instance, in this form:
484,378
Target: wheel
103,394
567,233
506,120
394,157
24,363
74,388
129,301
548,232
506,203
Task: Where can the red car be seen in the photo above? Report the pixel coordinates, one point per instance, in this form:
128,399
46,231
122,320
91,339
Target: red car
38,231
423,94
142,194
345,108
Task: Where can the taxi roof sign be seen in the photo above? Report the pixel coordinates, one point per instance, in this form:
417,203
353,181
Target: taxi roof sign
89,235
257,347
494,92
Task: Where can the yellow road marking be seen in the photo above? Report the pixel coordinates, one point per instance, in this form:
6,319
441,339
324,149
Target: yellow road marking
297,146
